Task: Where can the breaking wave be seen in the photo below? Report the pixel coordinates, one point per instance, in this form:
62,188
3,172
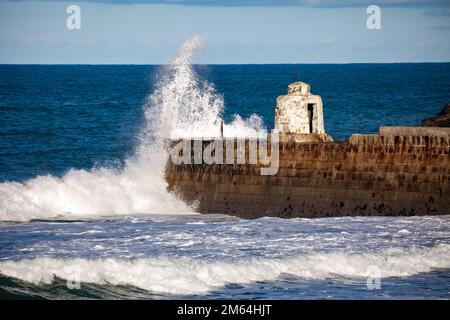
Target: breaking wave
191,276
181,105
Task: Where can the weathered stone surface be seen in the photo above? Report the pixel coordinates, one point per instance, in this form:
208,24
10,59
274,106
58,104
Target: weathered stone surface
441,120
299,112
415,131
303,137
367,175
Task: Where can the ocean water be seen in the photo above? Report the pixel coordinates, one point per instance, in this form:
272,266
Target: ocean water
84,212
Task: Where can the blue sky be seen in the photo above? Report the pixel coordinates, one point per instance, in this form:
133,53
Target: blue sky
247,31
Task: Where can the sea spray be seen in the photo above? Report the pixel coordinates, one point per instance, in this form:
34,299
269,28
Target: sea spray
181,104
185,106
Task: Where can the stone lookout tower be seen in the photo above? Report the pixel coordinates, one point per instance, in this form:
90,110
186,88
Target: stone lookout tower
300,114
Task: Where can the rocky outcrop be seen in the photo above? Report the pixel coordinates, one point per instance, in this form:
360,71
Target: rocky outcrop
441,120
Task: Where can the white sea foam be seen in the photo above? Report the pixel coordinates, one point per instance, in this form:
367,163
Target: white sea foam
191,276
184,106
139,188
181,105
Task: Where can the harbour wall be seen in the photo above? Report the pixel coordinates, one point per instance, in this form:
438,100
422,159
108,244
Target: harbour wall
402,171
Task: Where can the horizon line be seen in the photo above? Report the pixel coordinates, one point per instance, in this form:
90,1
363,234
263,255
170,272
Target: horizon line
217,64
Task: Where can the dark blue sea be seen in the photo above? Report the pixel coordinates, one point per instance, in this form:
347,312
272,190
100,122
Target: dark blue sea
84,212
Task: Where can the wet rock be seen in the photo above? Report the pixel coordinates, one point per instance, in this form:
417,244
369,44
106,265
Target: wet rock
442,119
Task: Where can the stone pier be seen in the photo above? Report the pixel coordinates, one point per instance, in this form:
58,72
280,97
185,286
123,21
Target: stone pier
401,171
